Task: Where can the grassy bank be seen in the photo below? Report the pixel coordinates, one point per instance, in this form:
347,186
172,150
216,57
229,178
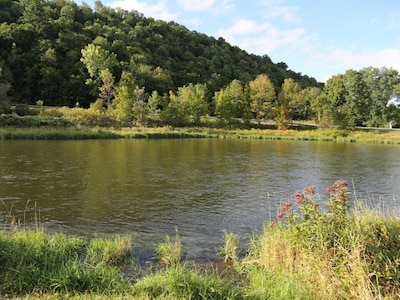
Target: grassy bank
45,133
314,249
332,135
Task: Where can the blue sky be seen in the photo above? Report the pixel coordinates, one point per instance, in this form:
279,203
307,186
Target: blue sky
314,37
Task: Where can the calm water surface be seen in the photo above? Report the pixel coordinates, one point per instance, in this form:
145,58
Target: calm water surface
202,187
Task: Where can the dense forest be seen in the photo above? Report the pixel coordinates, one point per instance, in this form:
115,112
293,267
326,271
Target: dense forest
126,66
41,45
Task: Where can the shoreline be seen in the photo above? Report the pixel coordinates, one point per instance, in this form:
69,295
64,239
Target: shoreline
371,136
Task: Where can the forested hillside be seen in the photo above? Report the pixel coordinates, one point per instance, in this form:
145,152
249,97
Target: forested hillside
126,67
41,43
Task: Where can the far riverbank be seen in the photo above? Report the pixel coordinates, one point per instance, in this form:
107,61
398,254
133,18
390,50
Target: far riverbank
376,136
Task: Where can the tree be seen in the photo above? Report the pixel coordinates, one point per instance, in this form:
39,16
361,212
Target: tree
140,107
289,103
311,96
349,99
192,98
106,94
124,98
230,101
382,83
262,95
96,59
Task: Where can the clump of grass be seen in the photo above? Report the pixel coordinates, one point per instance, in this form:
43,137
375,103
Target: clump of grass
115,252
182,282
229,251
325,251
35,262
169,253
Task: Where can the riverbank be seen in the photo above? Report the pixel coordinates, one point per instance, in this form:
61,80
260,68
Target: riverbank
328,135
314,249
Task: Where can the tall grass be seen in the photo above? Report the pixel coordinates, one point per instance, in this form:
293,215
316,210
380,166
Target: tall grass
314,249
50,133
35,262
325,252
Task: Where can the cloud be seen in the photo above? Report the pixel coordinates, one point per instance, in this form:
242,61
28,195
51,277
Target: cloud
213,6
262,38
159,10
339,60
274,9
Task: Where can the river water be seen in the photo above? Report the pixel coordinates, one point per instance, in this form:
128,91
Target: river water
200,187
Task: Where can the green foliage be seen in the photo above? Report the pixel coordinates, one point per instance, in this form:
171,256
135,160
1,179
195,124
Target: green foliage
181,282
169,253
33,261
32,121
326,252
49,49
262,95
230,102
188,106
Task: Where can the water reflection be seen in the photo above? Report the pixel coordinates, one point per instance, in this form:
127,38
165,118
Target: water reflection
200,186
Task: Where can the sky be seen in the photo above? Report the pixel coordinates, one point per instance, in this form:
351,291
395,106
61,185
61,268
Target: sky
314,37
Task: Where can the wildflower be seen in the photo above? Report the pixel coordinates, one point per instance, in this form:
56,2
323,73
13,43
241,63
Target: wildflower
272,224
300,199
330,191
286,206
310,190
340,183
280,216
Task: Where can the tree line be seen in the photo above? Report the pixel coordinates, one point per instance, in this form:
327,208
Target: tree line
125,67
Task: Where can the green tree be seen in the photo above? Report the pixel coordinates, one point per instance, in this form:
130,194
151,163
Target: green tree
96,59
382,82
140,107
192,99
106,94
289,103
310,96
262,95
230,101
349,99
125,94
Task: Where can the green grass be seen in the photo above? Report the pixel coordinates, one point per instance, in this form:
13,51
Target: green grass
50,133
35,262
330,252
314,249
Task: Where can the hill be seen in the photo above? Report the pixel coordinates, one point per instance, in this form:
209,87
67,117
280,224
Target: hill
41,46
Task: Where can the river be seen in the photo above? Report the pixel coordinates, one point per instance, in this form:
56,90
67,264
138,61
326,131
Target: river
200,187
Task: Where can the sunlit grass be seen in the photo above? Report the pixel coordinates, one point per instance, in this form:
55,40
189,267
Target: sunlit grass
314,249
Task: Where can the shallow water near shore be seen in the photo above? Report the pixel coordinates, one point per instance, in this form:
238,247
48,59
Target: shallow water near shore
201,187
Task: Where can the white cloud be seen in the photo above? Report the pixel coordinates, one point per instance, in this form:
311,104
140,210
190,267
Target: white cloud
274,9
212,6
158,11
262,38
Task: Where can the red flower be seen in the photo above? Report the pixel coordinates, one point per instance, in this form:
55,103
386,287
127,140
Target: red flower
310,190
300,199
272,225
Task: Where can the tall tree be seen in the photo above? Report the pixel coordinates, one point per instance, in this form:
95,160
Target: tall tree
382,82
230,101
96,59
262,95
289,103
125,94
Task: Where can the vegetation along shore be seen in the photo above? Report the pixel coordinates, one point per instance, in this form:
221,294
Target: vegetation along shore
312,250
